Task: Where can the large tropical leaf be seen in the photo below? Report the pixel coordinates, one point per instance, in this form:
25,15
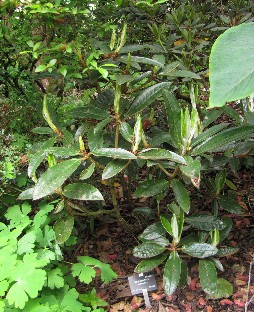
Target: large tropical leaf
54,177
231,65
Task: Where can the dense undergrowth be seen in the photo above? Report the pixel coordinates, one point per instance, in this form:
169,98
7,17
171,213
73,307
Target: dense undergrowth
96,96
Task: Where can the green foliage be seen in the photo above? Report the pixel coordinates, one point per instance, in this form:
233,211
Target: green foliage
32,278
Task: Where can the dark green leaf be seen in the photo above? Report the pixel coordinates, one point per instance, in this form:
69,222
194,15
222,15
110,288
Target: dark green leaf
205,222
160,154
219,141
173,111
82,191
153,232
127,132
217,263
181,195
113,168
114,153
62,152
146,97
199,250
86,173
167,226
39,156
220,180
148,250
145,60
228,226
208,133
54,177
183,74
192,170
223,290
121,79
42,130
151,188
184,273
95,141
149,264
226,251
172,273
189,239
63,228
230,203
208,276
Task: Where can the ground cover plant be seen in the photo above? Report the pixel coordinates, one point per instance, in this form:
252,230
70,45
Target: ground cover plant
123,111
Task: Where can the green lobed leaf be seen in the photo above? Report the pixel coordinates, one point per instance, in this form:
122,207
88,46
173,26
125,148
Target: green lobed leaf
231,66
181,195
205,222
219,141
114,153
54,177
113,168
146,97
208,276
230,203
86,173
63,228
39,156
149,264
148,250
200,250
82,191
55,278
160,154
172,273
84,273
151,188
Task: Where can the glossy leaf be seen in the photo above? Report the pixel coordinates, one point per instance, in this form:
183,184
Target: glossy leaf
63,228
167,226
223,290
27,194
54,177
192,170
217,263
208,133
146,97
230,203
220,180
200,250
151,188
173,111
39,156
149,264
62,152
148,250
86,173
184,273
172,273
113,168
82,191
114,153
152,232
160,154
228,226
232,65
146,60
181,195
219,141
205,222
208,276
122,79
174,226
127,132
226,251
